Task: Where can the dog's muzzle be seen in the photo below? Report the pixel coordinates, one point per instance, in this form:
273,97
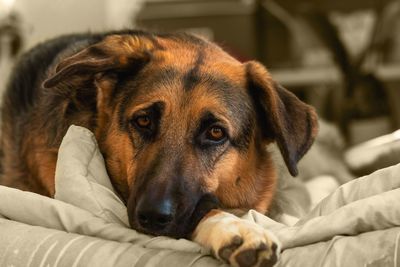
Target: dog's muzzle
170,217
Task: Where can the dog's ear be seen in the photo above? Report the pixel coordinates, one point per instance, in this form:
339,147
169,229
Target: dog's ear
282,116
115,52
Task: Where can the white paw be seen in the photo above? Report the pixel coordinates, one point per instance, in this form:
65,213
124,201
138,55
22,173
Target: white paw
236,241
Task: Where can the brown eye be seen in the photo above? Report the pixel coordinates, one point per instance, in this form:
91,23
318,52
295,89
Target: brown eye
143,121
216,133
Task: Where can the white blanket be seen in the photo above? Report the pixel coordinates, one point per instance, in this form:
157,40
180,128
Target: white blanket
87,225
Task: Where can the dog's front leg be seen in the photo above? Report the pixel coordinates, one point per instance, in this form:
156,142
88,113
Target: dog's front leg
236,241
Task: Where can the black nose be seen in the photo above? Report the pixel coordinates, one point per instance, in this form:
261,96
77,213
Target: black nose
155,216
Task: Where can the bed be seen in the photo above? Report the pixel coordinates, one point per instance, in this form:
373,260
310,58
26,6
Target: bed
86,224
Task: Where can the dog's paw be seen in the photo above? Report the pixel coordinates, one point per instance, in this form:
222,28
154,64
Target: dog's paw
238,242
250,247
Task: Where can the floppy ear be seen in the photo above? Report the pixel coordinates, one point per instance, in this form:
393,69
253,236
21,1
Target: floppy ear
114,52
282,116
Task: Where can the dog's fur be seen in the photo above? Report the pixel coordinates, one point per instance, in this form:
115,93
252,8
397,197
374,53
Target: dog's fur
156,103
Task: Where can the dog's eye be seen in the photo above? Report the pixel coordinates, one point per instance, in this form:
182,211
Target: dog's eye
143,121
216,134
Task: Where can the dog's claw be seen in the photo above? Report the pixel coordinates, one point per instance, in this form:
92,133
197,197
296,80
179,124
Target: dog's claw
247,258
226,251
263,256
273,259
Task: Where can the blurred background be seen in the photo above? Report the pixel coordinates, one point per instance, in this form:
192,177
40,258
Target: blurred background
342,57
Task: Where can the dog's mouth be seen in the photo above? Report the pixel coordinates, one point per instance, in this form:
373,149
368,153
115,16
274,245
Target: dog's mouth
181,225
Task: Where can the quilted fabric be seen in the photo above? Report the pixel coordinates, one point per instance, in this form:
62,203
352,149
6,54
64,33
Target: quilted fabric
86,225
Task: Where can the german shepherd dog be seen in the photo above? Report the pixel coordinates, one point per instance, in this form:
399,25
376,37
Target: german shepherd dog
182,125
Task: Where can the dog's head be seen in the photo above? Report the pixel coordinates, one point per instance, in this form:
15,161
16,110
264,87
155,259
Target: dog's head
179,120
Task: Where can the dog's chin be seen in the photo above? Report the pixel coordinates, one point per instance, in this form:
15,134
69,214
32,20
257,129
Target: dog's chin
173,231
186,222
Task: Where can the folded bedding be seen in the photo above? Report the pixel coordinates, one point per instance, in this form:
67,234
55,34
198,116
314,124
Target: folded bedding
87,225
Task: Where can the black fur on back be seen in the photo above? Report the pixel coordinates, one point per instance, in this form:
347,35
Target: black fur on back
31,69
